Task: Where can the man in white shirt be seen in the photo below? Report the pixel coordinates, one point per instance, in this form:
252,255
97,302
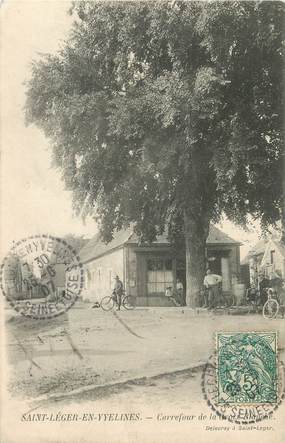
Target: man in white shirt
212,282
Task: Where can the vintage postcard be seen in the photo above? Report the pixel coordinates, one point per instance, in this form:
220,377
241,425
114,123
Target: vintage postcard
142,221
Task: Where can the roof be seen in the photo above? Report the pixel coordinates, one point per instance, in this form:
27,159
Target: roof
97,247
257,249
277,245
216,236
261,247
245,260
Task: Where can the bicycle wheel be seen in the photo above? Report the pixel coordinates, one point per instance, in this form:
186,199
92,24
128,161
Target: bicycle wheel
129,302
270,308
107,303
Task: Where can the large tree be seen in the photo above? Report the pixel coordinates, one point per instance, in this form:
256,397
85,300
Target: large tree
167,115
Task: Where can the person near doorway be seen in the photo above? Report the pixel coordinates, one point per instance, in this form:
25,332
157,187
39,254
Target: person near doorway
212,283
118,291
172,296
180,292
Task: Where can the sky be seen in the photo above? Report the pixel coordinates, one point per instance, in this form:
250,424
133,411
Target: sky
33,198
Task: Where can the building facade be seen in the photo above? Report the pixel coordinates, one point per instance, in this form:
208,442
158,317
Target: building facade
266,259
148,270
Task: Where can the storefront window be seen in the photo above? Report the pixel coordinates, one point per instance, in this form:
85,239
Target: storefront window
155,264
159,275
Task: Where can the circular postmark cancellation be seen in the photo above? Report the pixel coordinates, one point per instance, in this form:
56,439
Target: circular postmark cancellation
41,277
243,382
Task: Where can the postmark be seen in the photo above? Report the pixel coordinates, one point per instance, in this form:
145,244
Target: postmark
42,276
244,382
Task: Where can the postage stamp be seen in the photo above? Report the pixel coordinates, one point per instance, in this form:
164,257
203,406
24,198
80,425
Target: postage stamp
41,277
244,381
247,367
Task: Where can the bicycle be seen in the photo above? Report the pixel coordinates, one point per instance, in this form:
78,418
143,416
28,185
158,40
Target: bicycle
223,300
226,300
110,301
252,299
272,305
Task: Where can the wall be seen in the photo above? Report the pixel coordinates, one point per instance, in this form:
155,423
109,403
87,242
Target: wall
255,269
59,278
131,270
245,274
235,265
99,275
278,260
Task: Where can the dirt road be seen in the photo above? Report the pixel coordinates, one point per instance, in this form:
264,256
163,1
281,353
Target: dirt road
89,347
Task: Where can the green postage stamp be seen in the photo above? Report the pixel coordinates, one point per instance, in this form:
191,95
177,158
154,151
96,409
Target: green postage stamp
247,369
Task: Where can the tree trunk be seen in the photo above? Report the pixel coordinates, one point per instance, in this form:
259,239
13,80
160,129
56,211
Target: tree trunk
196,232
283,205
283,212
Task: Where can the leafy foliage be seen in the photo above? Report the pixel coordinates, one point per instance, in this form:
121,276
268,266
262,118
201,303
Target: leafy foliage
165,110
76,241
139,90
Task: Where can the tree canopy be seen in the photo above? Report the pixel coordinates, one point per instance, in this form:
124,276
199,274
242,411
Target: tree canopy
75,241
167,113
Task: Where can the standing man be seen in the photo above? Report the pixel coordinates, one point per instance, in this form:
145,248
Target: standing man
118,291
212,282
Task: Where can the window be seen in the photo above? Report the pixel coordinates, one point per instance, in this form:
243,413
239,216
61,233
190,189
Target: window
155,264
159,275
272,255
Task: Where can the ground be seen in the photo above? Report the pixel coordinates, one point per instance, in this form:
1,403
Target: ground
91,347
146,361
